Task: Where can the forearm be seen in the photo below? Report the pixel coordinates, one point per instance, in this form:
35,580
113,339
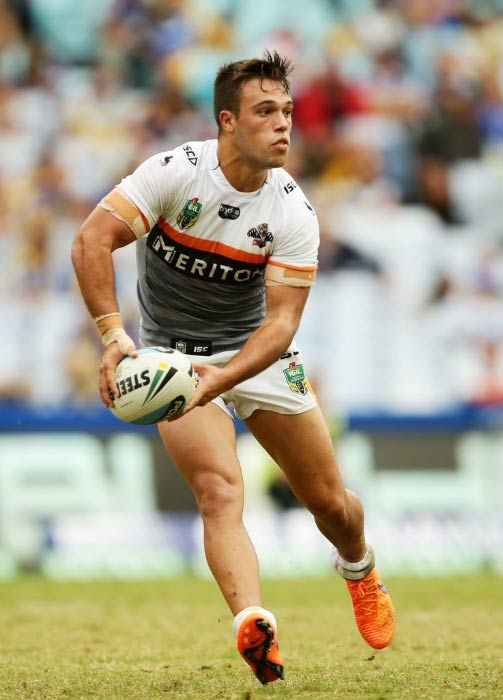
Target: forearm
272,337
261,349
92,259
92,250
95,274
266,345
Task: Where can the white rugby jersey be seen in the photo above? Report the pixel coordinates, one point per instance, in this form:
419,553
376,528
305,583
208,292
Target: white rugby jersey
201,264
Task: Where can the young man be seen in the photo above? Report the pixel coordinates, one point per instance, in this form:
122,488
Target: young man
227,251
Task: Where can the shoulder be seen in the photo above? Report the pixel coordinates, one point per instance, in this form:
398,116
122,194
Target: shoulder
291,199
186,158
196,154
155,185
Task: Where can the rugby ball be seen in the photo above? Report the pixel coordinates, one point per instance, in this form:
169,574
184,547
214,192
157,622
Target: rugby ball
154,386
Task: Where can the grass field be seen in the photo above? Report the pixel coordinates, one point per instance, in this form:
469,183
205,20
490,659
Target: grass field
172,639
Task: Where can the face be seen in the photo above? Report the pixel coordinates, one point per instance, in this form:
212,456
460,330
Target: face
262,129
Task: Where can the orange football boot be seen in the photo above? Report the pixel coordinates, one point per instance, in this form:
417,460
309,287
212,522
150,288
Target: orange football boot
258,645
374,611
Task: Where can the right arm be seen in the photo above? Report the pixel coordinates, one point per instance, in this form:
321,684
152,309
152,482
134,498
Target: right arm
126,214
92,249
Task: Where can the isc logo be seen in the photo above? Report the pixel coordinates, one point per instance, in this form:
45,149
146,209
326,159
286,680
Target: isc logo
200,348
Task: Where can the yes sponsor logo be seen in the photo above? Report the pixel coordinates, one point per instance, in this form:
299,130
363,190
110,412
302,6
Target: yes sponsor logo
227,211
261,235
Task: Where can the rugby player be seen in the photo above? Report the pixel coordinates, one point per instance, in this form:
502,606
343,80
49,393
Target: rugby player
227,247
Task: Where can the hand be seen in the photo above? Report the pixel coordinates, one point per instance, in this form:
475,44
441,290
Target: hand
112,355
212,381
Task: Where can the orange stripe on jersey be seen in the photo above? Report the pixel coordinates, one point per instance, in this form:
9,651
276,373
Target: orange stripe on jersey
123,209
293,267
145,220
211,246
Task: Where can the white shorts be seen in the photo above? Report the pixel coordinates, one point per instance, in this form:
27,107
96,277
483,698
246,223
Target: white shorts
283,387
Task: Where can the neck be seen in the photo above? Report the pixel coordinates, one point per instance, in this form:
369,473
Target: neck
241,174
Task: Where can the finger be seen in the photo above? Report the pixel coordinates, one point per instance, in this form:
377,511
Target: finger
110,381
187,408
103,388
198,399
108,384
192,404
175,417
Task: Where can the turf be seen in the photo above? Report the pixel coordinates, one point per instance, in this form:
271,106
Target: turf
172,639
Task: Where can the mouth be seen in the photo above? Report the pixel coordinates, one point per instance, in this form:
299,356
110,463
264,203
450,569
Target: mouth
282,144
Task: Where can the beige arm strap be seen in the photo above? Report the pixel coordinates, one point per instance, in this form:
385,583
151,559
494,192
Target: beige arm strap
119,206
276,275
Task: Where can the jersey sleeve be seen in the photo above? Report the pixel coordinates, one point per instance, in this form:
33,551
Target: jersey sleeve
297,246
152,185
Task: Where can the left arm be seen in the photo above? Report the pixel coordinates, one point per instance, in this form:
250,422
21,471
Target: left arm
284,306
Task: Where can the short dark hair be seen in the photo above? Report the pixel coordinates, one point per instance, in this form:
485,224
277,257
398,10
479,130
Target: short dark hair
232,76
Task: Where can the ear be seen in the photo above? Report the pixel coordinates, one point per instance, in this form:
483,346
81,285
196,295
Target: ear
227,121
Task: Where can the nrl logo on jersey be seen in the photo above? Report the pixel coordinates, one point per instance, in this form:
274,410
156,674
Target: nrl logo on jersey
261,235
296,378
190,213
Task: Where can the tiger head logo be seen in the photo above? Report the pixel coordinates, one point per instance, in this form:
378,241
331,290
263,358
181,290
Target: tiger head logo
261,235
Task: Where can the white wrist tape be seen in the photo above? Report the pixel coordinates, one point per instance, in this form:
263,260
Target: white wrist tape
119,336
100,318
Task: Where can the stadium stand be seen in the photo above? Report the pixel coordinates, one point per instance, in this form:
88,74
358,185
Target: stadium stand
398,140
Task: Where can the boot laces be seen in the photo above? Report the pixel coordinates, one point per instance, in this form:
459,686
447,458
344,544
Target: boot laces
367,592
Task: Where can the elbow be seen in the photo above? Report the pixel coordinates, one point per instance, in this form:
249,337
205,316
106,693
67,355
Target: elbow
77,251
286,335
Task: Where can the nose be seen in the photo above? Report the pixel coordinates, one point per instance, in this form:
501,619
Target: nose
282,122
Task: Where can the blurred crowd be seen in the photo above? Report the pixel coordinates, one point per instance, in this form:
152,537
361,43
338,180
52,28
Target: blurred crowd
398,142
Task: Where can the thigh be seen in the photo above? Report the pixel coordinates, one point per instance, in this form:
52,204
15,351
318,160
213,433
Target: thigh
282,387
203,442
302,447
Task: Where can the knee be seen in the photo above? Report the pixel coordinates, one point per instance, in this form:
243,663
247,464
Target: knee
329,507
217,496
